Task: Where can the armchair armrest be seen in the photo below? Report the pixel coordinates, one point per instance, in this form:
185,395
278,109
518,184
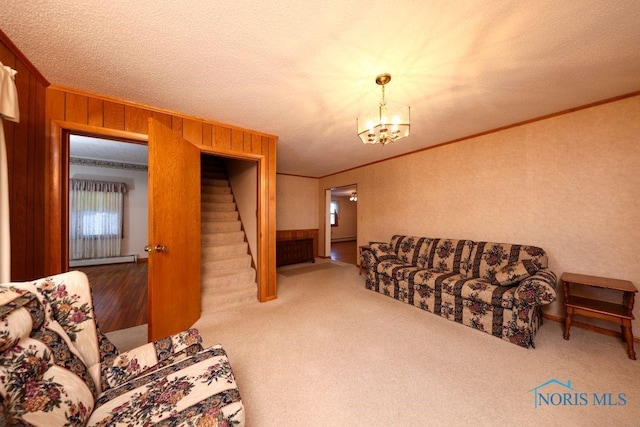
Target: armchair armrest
539,289
379,251
151,356
367,259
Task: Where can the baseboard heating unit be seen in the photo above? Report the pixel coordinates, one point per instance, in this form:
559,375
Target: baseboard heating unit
103,261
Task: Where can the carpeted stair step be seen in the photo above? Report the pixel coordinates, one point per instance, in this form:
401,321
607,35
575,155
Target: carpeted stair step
222,238
218,207
214,182
229,299
220,226
214,174
219,216
215,280
212,265
206,190
216,252
216,198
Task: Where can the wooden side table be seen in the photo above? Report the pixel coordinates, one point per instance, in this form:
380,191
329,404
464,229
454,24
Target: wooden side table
361,249
621,314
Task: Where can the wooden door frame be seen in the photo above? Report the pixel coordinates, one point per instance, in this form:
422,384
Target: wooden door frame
57,209
262,273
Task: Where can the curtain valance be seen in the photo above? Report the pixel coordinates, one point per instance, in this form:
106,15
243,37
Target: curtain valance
102,186
9,109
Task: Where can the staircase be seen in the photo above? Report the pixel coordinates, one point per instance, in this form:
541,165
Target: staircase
228,279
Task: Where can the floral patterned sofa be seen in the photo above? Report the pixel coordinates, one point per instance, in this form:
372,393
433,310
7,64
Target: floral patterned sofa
57,368
497,288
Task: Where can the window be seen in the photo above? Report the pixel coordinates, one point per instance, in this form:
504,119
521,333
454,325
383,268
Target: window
95,218
100,224
333,213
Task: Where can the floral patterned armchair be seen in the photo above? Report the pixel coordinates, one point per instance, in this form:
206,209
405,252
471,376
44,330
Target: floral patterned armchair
57,368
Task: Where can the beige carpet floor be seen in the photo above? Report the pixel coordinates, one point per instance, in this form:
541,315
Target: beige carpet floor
328,352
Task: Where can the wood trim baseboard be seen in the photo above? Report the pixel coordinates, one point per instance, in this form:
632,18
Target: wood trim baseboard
588,327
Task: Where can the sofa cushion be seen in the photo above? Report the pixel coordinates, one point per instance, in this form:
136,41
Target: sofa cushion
412,249
515,273
448,255
431,278
393,268
43,382
481,290
200,390
425,252
487,258
383,251
69,295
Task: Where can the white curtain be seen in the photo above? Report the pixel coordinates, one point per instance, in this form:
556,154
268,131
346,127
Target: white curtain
8,110
95,218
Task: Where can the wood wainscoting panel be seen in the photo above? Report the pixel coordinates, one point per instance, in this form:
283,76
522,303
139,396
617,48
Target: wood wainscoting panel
300,234
76,108
163,118
136,119
26,163
222,137
192,131
237,140
113,115
96,112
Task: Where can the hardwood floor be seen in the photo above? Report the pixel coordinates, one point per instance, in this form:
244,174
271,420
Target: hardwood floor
345,252
119,294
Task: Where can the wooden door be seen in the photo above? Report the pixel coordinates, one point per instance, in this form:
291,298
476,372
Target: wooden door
174,232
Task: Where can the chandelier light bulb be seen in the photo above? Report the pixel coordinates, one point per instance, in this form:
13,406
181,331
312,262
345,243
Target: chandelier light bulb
373,127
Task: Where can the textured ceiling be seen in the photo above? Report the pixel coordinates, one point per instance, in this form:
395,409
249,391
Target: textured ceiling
305,70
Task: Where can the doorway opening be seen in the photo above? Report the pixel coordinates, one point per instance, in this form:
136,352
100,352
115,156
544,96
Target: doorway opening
229,232
58,225
107,217
342,215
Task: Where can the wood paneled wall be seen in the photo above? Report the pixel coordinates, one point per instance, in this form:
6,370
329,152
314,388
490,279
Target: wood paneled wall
73,106
300,234
26,156
95,114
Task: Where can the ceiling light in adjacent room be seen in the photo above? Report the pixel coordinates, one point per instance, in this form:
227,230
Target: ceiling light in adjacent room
354,197
388,123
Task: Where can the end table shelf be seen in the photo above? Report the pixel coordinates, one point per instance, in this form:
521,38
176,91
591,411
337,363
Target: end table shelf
621,314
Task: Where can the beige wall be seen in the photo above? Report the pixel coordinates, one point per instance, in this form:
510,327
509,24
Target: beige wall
569,184
243,178
297,203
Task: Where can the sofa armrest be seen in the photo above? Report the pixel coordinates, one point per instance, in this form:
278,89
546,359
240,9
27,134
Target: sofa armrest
538,289
378,251
367,259
177,346
151,356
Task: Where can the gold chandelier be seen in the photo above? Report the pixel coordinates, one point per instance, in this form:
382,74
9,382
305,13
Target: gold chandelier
388,123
